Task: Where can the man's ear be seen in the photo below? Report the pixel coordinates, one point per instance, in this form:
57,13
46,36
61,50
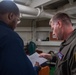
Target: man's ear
10,16
59,23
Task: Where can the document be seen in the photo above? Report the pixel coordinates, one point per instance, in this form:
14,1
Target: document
35,58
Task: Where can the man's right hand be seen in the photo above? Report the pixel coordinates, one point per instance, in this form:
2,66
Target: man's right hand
45,55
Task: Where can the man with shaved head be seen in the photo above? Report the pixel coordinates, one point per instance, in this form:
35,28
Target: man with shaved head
13,60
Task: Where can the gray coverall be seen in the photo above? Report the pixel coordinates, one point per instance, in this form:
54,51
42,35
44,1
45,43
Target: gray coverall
66,57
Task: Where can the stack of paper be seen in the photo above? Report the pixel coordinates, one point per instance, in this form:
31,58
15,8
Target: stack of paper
35,58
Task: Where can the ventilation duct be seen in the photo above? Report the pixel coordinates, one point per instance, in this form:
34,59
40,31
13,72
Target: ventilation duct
33,12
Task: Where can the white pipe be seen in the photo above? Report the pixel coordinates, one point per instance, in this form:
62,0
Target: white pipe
32,12
34,17
27,10
26,16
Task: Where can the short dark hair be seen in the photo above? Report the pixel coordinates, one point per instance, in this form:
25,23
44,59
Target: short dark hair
8,7
63,17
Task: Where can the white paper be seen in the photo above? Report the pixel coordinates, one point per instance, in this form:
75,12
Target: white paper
35,58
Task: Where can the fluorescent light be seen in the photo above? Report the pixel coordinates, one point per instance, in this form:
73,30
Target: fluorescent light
6,0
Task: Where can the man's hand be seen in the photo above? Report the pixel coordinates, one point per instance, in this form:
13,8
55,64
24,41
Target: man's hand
45,55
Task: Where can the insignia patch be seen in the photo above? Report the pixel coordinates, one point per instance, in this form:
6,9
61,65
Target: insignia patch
60,55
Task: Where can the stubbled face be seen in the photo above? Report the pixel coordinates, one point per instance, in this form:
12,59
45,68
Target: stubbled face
56,29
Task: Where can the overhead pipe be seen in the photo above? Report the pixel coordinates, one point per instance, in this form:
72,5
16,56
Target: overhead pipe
27,10
34,17
26,16
68,8
33,12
